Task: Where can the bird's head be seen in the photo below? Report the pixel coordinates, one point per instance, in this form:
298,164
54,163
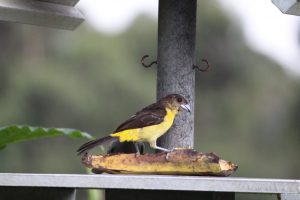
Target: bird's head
176,102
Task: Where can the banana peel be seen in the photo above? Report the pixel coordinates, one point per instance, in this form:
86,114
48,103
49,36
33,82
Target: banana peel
176,162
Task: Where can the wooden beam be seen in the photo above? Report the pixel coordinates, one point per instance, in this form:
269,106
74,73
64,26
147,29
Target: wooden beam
40,13
152,182
291,7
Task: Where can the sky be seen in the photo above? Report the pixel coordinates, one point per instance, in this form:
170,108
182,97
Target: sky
265,28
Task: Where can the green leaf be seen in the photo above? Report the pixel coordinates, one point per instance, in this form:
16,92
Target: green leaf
16,133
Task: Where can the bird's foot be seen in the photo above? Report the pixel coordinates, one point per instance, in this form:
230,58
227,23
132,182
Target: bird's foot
163,149
137,154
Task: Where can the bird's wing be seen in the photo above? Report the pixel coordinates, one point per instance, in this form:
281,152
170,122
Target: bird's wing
150,115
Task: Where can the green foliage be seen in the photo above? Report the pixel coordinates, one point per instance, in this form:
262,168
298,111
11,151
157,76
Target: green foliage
15,133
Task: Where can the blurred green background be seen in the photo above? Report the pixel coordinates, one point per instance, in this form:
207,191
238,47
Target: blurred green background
247,106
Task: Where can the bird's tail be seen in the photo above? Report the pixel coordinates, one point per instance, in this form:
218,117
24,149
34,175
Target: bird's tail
91,144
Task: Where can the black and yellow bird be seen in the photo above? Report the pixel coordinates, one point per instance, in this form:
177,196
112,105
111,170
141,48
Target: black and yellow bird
146,125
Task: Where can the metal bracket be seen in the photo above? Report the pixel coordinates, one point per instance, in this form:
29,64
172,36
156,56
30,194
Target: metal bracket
289,196
291,7
50,13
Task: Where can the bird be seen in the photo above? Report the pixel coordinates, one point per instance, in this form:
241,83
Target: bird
147,125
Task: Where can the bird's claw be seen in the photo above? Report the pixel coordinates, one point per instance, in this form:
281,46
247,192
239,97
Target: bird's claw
137,154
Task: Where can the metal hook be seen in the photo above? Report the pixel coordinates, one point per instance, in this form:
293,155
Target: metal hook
202,70
149,65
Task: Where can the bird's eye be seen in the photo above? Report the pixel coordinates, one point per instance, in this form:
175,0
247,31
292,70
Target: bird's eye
179,100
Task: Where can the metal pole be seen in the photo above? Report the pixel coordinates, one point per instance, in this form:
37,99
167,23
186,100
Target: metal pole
176,55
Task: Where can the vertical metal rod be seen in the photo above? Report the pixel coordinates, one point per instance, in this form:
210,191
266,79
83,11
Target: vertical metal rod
176,55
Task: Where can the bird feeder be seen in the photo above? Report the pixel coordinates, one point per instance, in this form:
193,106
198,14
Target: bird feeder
175,74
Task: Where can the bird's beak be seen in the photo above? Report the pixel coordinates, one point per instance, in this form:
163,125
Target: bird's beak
186,107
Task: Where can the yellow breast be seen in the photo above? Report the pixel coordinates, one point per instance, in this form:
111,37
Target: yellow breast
148,133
